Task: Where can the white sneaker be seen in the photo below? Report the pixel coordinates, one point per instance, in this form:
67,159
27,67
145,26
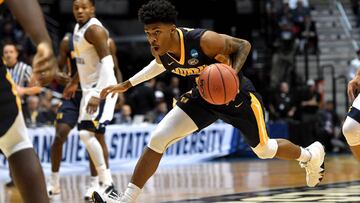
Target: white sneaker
53,187
91,188
109,195
315,166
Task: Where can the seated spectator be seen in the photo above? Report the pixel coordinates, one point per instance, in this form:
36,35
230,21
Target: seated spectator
124,116
309,36
329,127
156,115
33,111
142,99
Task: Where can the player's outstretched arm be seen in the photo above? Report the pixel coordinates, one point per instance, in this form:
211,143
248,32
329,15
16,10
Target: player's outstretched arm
30,16
148,72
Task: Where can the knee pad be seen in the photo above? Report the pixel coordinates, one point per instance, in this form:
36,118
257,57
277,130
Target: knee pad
86,136
266,151
351,131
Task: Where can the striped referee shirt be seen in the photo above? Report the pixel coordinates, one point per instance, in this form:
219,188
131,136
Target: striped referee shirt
20,73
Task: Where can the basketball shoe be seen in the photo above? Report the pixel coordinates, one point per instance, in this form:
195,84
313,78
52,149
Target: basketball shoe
93,185
315,166
109,195
53,186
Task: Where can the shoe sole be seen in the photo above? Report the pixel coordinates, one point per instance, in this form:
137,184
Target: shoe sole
96,198
322,167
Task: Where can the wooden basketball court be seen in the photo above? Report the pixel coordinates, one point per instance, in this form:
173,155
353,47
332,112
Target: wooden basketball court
228,181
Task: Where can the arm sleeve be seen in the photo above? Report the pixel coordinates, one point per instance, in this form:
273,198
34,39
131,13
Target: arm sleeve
148,72
106,73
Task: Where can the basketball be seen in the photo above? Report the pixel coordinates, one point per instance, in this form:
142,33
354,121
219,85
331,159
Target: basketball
218,84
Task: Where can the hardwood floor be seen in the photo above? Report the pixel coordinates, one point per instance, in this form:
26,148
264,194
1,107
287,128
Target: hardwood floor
210,179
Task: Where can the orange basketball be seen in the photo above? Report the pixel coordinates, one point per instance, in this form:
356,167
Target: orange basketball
218,84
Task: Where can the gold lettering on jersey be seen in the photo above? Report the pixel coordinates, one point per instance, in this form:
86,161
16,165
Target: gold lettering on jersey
184,100
188,71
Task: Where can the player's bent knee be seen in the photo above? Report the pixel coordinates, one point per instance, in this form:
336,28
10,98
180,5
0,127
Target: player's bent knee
351,131
158,141
267,150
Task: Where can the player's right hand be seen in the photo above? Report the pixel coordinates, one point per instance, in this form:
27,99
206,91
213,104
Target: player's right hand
353,88
115,89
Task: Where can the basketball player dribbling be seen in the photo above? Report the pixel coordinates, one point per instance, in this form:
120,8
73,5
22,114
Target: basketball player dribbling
14,141
186,52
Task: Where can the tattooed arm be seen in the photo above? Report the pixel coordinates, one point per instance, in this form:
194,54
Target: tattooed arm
225,49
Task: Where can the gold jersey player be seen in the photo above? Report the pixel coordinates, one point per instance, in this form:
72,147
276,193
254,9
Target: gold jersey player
186,52
14,142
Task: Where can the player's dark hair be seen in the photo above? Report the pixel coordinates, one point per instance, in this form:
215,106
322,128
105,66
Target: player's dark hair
156,11
91,1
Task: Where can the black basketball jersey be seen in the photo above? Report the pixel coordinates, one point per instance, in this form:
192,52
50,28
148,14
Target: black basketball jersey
192,58
10,103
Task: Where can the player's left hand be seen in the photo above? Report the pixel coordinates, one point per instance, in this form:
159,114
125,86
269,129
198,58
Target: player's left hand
92,105
44,64
353,88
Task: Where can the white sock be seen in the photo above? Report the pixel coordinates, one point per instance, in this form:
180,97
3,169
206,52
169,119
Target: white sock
104,175
56,178
305,155
131,193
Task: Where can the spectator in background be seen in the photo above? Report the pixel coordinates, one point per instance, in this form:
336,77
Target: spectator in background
293,4
356,11
308,36
156,115
142,99
329,127
172,91
282,104
20,73
124,116
33,111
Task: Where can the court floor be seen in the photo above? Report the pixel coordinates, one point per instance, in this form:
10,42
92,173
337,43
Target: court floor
249,180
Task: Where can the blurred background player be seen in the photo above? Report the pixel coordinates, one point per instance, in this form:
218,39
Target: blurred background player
96,71
20,73
14,142
187,52
68,115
